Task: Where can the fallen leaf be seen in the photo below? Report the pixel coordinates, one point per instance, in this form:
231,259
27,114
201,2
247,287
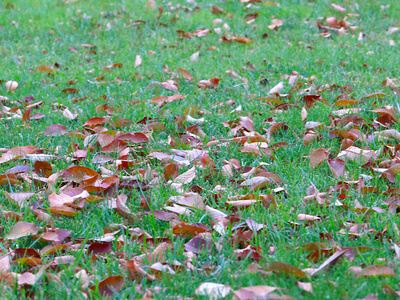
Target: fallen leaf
336,166
287,269
377,271
338,8
109,286
138,61
22,229
212,290
317,157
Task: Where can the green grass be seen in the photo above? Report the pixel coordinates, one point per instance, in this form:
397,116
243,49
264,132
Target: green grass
35,33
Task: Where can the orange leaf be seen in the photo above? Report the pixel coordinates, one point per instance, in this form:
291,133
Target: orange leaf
243,40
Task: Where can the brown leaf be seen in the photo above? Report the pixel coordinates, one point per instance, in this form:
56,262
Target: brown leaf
59,200
18,199
250,252
214,82
186,177
27,278
108,286
171,171
55,235
317,157
337,167
111,67
79,174
257,182
99,248
198,245
374,95
5,265
55,130
377,271
185,74
192,200
45,69
255,292
70,91
43,168
217,10
202,32
305,286
386,111
338,8
358,155
287,269
212,290
232,73
94,122
346,102
21,229
304,114
138,61
330,261
243,40
63,210
121,207
332,22
308,218
184,228
170,85
388,290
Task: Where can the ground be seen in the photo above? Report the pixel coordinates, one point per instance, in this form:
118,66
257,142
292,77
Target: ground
151,147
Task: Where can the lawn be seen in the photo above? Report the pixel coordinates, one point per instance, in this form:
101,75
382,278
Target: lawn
199,149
